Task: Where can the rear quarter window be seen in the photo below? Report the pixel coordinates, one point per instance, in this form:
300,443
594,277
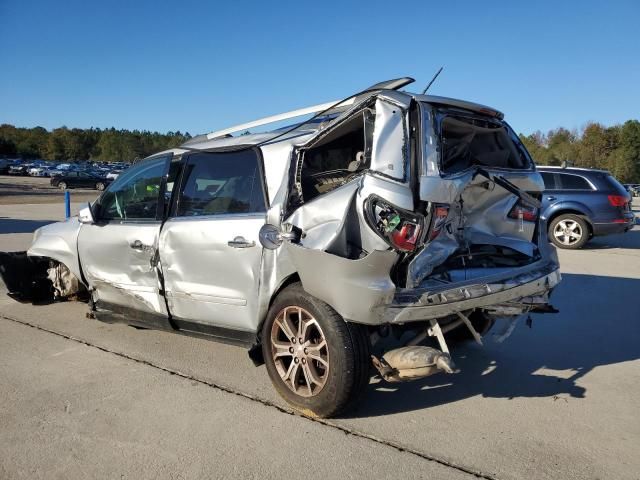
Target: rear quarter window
573,182
549,180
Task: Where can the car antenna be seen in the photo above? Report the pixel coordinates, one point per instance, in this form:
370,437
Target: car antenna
432,80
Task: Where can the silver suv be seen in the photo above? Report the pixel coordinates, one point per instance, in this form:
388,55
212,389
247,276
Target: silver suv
387,214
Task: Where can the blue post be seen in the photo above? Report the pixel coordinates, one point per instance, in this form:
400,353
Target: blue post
67,204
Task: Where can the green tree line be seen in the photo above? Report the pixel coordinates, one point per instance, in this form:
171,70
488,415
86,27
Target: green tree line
616,148
78,144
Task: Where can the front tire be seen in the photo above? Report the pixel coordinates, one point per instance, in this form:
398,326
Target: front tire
100,186
569,231
316,361
62,186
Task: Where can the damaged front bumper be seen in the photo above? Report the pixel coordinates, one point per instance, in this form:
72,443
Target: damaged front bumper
525,287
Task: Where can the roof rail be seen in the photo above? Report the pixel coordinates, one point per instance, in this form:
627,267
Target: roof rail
393,84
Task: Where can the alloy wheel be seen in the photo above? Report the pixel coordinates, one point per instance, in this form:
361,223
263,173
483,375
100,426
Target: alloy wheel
299,351
568,232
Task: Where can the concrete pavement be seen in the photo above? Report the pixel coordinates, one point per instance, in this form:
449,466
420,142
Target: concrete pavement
559,400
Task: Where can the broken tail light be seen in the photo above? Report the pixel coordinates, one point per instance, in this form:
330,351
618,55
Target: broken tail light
522,211
401,229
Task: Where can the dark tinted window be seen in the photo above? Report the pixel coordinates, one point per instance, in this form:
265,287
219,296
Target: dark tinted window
134,194
221,183
573,182
549,180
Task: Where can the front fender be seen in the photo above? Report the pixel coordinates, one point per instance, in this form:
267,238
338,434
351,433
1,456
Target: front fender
59,241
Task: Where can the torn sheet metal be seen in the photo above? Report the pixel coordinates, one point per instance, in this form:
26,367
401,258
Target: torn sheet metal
323,218
478,215
390,142
58,241
64,282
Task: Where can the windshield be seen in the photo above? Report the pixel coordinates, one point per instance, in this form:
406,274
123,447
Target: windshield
467,139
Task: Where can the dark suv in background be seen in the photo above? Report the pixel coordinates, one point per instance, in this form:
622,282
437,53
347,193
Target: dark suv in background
579,203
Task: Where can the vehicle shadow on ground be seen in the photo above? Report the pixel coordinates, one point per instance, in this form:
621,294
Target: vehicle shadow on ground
596,326
14,225
630,239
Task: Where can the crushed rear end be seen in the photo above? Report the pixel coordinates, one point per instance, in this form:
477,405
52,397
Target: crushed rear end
440,230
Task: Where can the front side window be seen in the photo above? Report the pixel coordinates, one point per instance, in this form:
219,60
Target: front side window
573,182
134,194
221,183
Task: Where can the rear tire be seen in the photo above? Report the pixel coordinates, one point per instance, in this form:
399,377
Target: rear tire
569,231
338,354
62,186
100,186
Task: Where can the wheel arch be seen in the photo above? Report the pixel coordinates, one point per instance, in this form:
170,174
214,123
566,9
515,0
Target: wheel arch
570,211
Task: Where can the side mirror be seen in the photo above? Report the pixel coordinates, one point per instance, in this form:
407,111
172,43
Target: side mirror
85,215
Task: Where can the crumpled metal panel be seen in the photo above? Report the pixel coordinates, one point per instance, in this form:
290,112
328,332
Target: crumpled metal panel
478,215
58,241
390,148
64,282
118,274
321,219
354,288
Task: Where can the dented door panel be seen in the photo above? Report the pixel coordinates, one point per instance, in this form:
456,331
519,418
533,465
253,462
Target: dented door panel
207,279
118,263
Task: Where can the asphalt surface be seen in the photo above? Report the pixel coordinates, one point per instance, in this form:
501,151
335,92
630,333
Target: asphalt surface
16,190
84,399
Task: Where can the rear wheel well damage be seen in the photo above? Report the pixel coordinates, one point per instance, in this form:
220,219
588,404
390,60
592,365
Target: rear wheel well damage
39,280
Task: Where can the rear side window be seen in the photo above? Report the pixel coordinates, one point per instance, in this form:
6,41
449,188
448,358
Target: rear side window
468,141
549,180
221,183
573,182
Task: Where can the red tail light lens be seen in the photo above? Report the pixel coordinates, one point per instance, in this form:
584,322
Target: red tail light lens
400,228
524,212
617,200
406,237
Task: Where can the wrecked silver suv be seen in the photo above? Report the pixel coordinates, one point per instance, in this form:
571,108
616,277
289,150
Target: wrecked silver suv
387,214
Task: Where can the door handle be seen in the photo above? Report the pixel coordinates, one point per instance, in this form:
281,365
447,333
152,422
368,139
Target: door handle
241,242
138,245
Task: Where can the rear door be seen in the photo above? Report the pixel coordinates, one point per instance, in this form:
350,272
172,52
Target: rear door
209,247
118,252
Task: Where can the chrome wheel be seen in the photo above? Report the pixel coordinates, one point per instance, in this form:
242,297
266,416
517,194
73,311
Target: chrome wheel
568,232
299,351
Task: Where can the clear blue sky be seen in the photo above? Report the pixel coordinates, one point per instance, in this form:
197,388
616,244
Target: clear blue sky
200,66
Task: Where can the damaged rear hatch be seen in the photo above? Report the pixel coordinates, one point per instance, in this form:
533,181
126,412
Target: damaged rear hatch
484,245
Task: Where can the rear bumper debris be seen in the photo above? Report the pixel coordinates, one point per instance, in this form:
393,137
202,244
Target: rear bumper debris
422,304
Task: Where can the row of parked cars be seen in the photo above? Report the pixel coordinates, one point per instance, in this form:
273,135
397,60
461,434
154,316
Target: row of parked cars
633,189
67,175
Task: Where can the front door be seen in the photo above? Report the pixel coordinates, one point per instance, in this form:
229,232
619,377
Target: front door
118,252
209,247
